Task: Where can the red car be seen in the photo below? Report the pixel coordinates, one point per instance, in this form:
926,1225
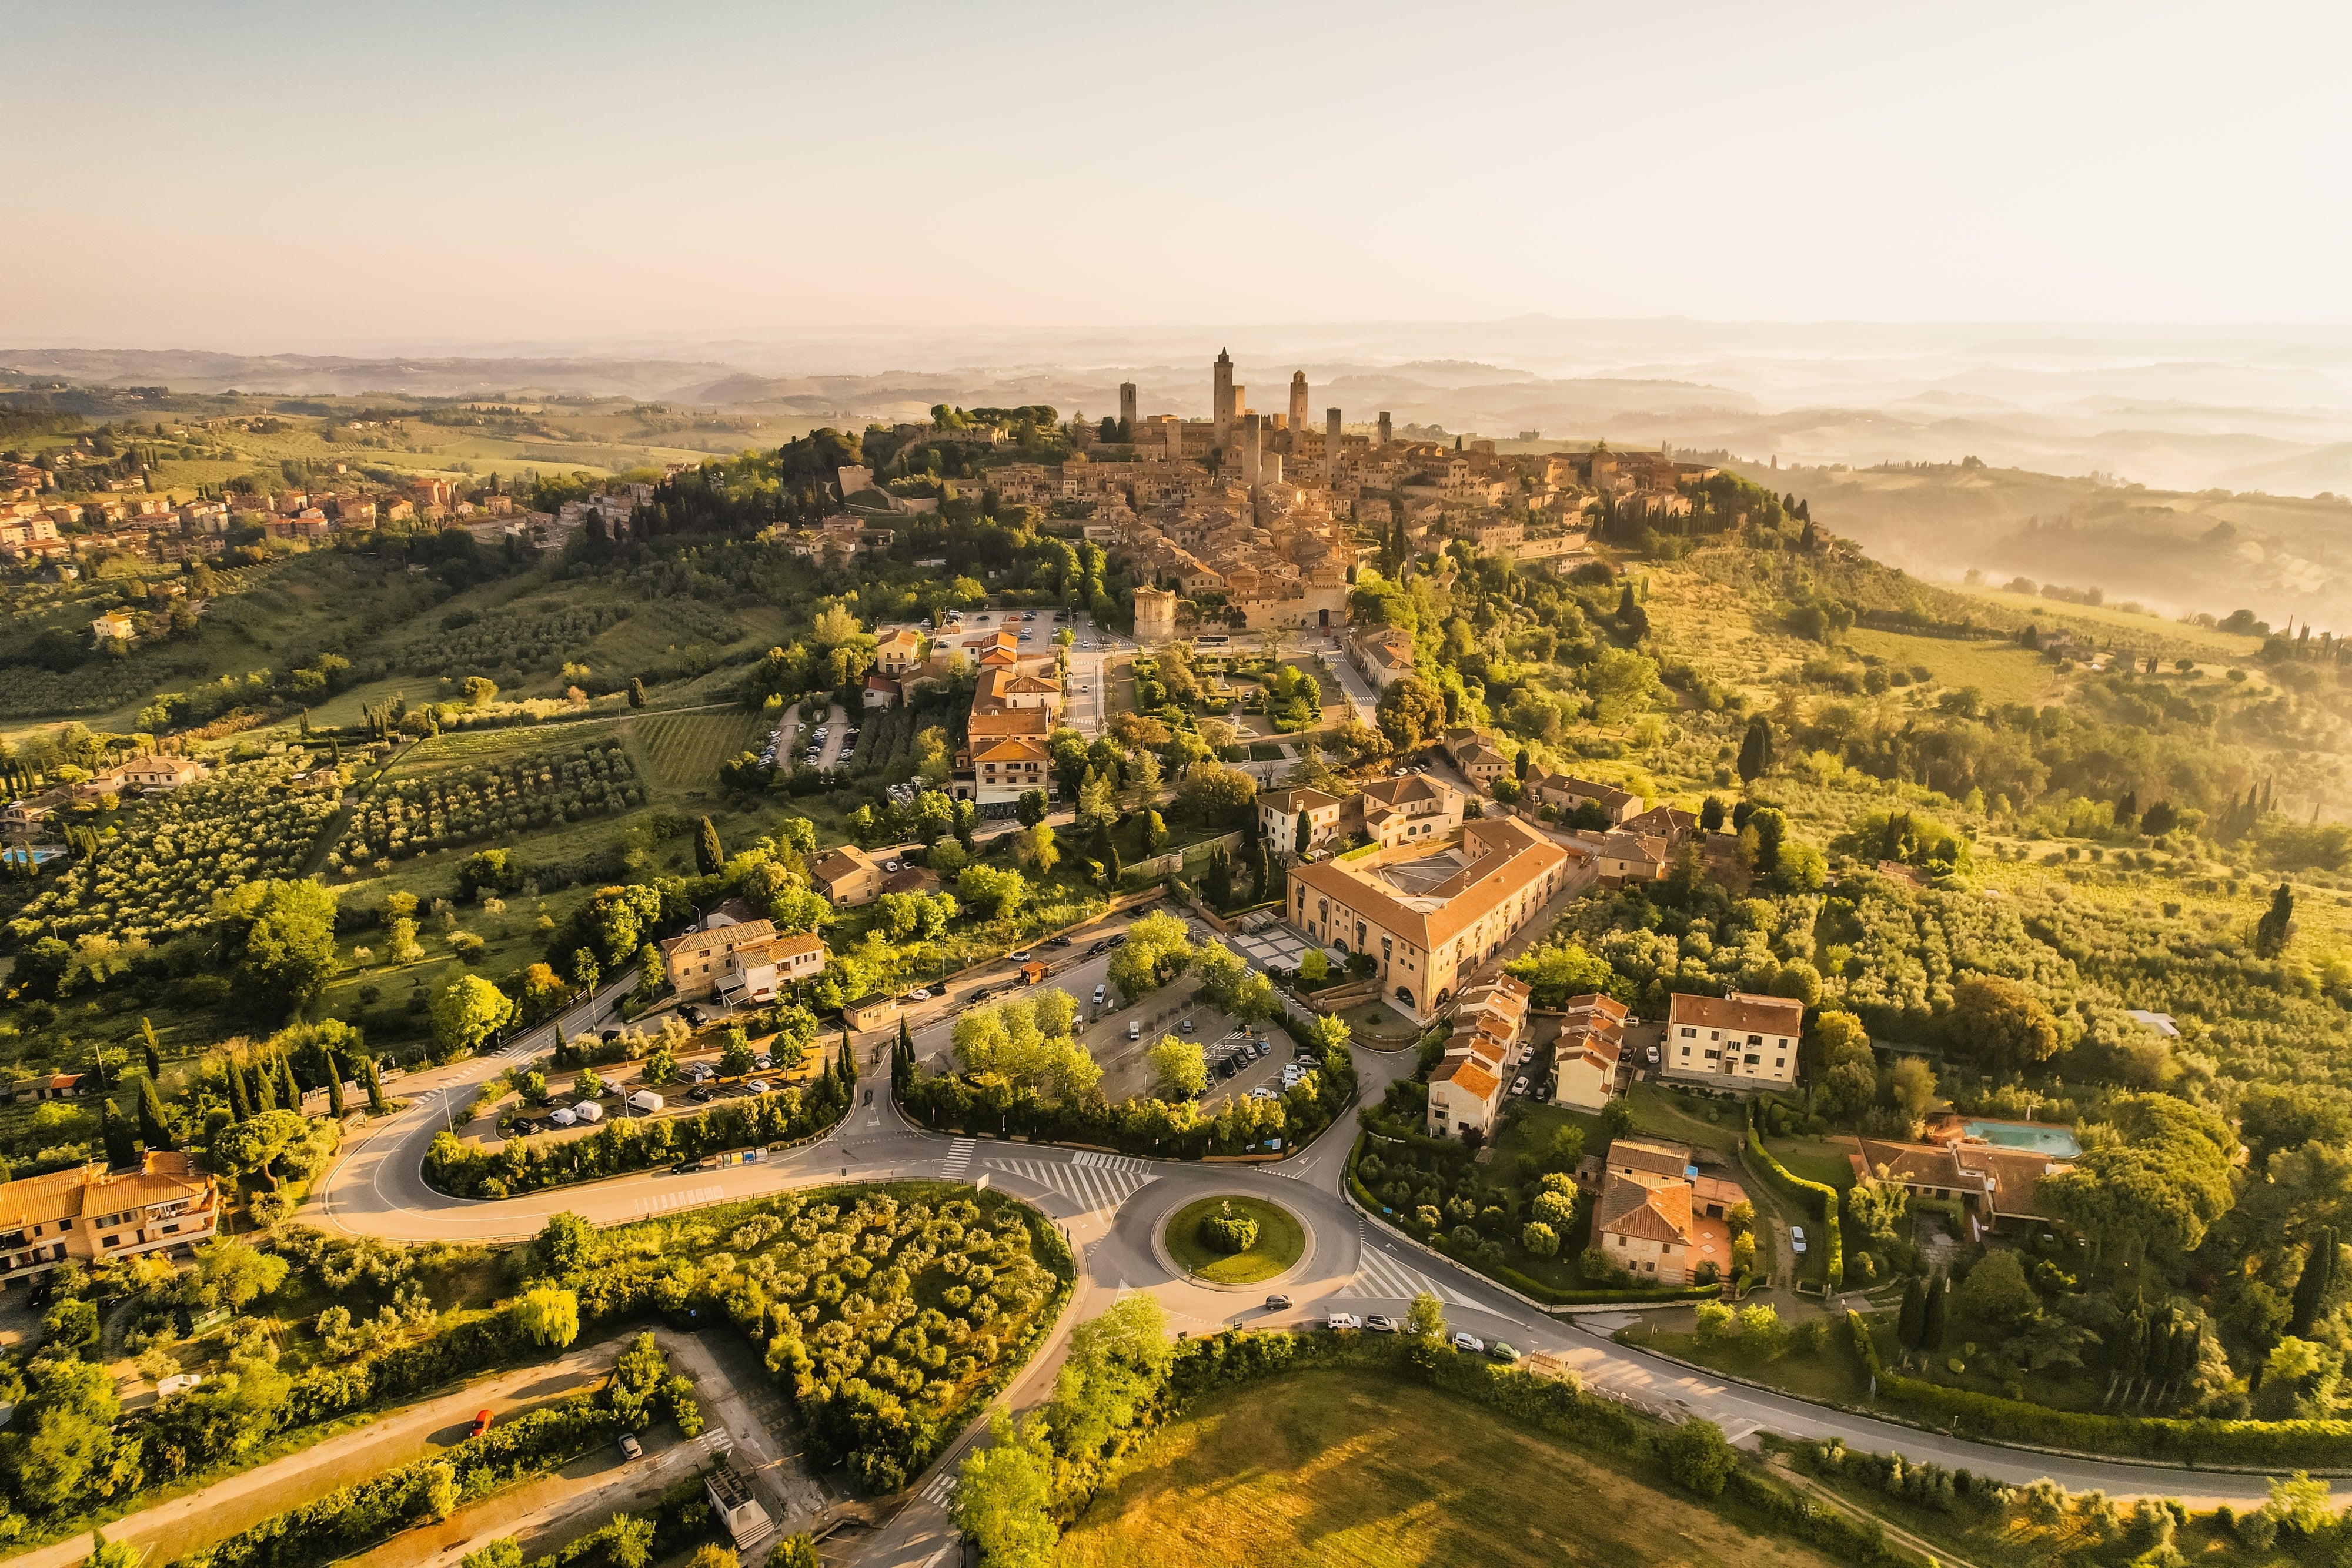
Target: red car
481,1425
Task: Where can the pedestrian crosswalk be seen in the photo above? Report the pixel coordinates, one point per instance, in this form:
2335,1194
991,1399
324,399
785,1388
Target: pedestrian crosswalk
714,1441
686,1197
1383,1278
1107,1181
941,1484
522,1046
959,1161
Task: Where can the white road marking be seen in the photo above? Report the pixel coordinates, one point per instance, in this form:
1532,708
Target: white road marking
1383,1277
1107,1183
691,1198
958,1160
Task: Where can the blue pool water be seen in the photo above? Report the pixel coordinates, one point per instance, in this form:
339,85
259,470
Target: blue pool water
2057,1141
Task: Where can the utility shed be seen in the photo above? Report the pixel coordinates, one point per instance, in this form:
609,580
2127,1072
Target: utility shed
747,1521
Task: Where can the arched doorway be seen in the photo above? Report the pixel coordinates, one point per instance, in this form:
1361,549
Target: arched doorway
1404,994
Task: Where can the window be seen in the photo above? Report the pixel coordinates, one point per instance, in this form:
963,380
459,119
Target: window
1687,1050
1779,1062
1690,1034
114,1242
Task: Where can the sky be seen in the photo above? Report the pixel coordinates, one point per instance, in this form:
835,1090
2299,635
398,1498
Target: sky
263,178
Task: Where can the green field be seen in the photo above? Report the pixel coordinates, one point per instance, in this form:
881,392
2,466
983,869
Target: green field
2000,672
687,748
2108,621
1332,1468
1280,1240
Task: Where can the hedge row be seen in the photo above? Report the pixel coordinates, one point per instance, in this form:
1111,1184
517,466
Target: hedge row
1524,1285
2250,1445
1235,1358
1826,1194
351,1519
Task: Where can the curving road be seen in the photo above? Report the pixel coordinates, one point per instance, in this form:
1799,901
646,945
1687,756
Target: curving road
1111,1208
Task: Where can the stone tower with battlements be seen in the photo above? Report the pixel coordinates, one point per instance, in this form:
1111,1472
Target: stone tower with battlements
1330,447
1298,406
1221,399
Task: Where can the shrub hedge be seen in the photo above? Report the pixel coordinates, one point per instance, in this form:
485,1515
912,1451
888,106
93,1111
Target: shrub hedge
1826,1195
353,1518
1560,1407
2249,1445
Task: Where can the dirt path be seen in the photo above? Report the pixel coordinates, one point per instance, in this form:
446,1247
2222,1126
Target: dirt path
1840,1504
184,1524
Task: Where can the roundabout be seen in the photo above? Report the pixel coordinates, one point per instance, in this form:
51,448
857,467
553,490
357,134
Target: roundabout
1233,1241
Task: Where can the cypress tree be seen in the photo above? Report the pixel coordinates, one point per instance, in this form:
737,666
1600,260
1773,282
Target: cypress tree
2272,930
1934,1323
708,856
374,1085
1756,750
117,1132
265,1087
636,692
148,1044
334,1087
2311,1290
153,1129
1913,1318
239,1096
290,1088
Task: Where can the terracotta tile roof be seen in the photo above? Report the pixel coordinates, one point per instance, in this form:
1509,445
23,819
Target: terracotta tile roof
1412,790
1599,1005
1029,721
1012,748
1288,802
1516,860
842,864
38,1200
1649,1154
796,944
1645,1212
1742,1012
1668,822
1465,1073
741,934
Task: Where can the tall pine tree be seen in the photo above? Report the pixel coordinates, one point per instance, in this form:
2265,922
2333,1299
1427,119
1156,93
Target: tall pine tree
119,1153
154,1131
709,858
2273,929
239,1096
335,1107
148,1044
375,1081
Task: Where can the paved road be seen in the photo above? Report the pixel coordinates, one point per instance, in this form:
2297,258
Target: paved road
180,1525
1110,1206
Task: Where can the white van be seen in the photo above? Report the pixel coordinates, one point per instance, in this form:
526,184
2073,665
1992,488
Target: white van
1100,992
1134,1030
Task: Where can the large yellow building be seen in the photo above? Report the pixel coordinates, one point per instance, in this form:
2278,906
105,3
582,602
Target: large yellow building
89,1212
1429,913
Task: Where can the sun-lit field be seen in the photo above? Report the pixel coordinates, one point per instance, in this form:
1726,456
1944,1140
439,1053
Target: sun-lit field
1340,1469
2000,672
686,748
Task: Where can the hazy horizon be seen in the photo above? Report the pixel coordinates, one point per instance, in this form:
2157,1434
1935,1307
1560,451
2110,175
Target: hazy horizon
267,178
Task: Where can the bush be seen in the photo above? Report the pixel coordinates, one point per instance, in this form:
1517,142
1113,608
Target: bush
1229,1232
1827,1196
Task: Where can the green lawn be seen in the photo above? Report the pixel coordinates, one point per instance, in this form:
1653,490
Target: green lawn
1530,1130
1662,1113
1815,1159
1833,1373
1281,1239
1331,1468
2002,672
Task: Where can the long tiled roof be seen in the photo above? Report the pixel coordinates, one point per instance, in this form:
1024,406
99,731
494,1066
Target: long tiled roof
1742,1012
1660,1212
1518,859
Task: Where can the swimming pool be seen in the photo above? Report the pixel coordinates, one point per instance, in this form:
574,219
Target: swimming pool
2054,1141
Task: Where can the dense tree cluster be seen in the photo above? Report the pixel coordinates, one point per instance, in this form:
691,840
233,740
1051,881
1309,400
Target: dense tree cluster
464,804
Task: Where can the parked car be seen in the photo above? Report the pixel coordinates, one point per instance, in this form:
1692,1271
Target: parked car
756,1085
1381,1322
703,1095
630,1448
763,1061
694,1015
1185,1028
1466,1340
685,1167
1520,1087
889,866
919,994
1797,1236
1339,1321
1020,957
609,1036
481,1425
1277,1303
1502,1352
1058,942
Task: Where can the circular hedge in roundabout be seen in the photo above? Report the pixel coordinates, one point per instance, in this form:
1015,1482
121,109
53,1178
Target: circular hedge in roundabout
1234,1241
